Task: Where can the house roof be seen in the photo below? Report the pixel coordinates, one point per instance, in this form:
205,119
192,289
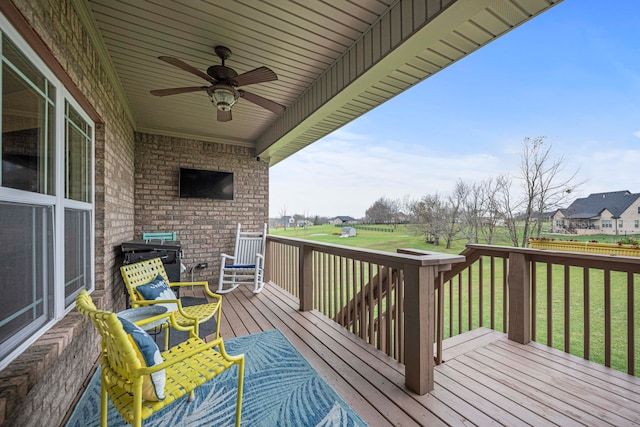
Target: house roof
592,206
345,218
334,60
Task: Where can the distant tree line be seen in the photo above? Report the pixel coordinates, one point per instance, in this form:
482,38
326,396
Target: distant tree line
474,211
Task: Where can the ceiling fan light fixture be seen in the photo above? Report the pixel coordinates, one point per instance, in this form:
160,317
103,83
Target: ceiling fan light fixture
223,96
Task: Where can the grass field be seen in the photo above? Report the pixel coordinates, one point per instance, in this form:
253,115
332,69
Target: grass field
404,237
398,237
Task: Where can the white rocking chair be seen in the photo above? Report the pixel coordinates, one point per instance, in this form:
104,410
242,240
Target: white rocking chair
247,262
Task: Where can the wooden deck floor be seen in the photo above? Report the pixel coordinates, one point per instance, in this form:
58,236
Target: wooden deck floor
486,379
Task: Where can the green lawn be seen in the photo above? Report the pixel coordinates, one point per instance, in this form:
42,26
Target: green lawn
403,237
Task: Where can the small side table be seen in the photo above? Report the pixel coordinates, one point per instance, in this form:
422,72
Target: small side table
134,315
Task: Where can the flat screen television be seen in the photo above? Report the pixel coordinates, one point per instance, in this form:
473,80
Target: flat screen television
204,184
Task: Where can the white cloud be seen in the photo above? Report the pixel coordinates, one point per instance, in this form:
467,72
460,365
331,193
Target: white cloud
345,173
609,170
637,134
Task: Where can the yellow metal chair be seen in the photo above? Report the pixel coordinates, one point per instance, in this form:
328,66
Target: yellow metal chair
187,366
144,272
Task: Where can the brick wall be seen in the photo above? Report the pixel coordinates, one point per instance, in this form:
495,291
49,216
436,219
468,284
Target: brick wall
40,385
43,383
205,227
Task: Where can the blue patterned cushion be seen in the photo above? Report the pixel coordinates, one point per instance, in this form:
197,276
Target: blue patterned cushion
158,288
149,355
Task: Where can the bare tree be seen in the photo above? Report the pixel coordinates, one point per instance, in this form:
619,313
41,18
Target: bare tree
542,183
383,211
490,213
283,215
454,203
507,207
472,212
430,213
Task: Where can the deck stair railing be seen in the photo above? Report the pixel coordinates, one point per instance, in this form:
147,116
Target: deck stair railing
386,299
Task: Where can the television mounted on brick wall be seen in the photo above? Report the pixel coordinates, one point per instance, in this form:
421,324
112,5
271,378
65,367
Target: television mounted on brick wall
205,184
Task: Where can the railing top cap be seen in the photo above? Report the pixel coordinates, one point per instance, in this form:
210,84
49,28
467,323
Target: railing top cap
404,256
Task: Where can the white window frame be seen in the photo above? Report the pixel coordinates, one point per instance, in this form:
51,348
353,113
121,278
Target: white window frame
58,202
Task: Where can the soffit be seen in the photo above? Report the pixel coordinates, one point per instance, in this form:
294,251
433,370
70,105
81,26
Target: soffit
335,59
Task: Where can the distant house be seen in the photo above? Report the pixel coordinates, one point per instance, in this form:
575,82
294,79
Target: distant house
617,212
304,223
284,221
342,220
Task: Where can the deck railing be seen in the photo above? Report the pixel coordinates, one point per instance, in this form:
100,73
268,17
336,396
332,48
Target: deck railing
584,304
386,299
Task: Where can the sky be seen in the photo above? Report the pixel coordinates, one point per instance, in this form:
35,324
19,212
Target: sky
571,74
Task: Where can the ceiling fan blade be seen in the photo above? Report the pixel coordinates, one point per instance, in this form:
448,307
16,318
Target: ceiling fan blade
183,65
259,75
177,90
263,102
224,116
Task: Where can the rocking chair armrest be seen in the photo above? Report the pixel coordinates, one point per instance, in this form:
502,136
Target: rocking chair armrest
226,256
259,260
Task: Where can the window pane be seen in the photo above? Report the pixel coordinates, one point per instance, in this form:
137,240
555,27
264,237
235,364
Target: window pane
77,270
78,157
11,53
26,268
27,129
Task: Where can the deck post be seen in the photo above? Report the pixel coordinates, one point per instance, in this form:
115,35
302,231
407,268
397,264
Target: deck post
267,264
305,281
519,282
419,313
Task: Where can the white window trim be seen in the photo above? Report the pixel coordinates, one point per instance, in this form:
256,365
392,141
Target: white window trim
13,195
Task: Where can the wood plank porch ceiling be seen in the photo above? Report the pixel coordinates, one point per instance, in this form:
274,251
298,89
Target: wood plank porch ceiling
335,59
486,379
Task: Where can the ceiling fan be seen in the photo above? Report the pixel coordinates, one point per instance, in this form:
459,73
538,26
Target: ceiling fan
225,82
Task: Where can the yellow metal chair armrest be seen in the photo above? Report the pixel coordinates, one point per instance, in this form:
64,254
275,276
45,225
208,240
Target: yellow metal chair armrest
167,301
203,283
178,284
172,321
155,301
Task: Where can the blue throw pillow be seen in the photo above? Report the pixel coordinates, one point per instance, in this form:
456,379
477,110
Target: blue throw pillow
157,289
149,355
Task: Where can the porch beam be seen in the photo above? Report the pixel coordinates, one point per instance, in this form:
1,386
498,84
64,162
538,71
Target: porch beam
306,277
519,285
419,327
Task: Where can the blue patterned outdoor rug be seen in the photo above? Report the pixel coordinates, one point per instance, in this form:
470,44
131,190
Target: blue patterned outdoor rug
280,389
